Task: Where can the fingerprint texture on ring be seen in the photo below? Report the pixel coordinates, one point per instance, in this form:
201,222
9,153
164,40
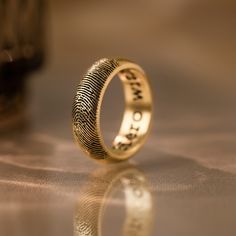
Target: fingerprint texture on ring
85,107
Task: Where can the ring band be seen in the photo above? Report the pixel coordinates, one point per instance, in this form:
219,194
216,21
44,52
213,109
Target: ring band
87,107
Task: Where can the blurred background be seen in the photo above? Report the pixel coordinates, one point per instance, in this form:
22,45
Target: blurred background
188,50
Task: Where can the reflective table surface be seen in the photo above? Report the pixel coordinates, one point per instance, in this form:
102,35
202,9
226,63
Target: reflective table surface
183,181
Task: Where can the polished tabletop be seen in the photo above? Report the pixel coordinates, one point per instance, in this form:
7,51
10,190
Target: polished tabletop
183,181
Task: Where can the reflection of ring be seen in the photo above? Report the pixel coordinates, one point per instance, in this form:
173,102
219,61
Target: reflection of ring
137,115
92,202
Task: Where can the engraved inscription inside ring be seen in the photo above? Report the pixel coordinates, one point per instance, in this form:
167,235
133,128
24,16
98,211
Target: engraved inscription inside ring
137,115
134,88
134,83
132,133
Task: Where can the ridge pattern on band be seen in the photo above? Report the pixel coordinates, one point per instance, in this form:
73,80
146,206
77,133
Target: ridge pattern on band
85,105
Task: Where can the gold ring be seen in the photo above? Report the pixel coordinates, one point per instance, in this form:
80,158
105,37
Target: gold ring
87,107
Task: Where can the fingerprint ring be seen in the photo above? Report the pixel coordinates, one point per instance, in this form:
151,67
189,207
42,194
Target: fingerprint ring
137,116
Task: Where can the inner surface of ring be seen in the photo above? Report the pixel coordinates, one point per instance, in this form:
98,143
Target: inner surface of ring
137,114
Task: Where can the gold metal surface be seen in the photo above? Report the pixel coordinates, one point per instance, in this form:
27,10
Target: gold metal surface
137,115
